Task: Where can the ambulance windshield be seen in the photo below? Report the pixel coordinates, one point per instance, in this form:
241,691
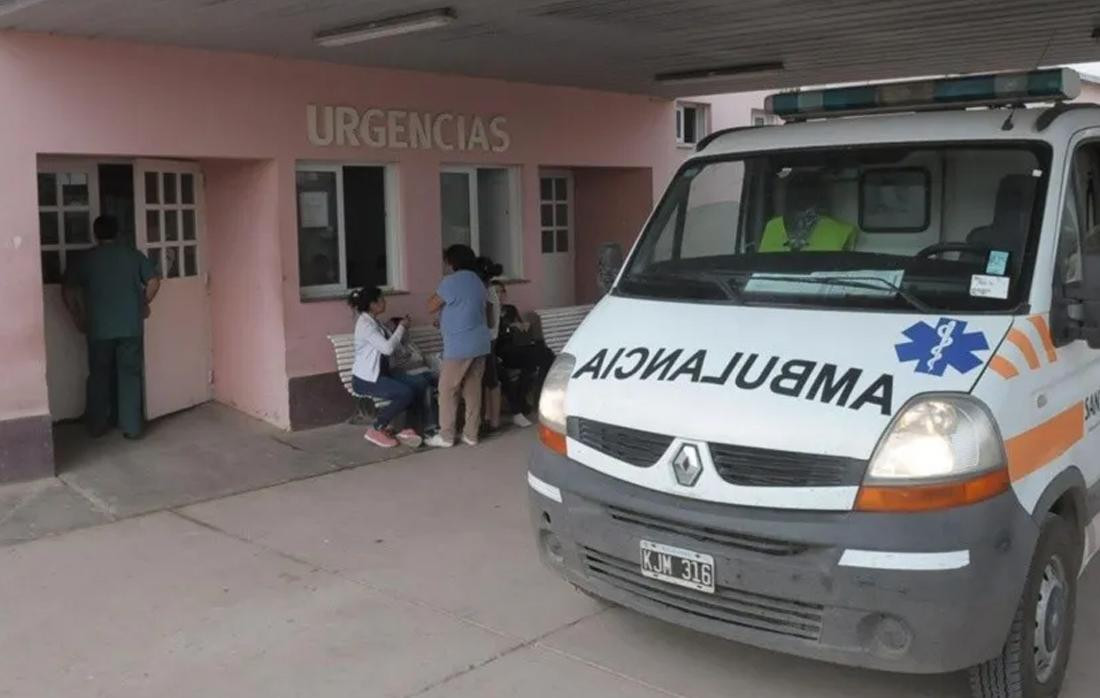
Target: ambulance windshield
932,227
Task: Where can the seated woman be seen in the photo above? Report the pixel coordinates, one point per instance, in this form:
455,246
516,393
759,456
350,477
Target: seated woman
372,377
520,350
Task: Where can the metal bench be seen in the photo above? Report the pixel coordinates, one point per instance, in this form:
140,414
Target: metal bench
558,324
427,341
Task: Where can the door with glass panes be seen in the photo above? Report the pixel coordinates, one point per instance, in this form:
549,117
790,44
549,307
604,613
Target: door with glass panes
556,237
68,202
169,229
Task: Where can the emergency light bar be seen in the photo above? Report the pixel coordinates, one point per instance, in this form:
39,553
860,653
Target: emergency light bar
995,89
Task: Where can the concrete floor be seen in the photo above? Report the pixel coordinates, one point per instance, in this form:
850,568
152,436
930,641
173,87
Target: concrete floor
208,452
412,577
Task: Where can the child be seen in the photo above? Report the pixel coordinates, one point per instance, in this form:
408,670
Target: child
371,374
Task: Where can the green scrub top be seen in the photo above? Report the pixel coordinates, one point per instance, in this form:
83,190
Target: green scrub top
112,277
828,235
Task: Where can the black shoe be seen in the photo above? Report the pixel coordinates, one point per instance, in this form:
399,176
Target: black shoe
131,437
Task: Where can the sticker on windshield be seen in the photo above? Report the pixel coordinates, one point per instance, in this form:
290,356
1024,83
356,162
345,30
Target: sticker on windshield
985,286
997,262
934,348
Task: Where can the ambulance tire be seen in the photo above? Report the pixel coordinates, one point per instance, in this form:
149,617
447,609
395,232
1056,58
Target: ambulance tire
1015,672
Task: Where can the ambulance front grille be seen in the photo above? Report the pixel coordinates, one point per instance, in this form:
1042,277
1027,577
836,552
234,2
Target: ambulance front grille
738,465
745,609
633,446
760,467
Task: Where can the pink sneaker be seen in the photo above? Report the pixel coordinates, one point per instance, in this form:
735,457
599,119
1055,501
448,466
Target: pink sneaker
410,438
380,438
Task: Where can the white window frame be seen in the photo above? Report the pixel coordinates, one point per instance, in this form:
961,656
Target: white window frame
57,167
394,233
515,196
702,122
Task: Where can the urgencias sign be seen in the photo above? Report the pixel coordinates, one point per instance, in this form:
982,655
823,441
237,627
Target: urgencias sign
401,129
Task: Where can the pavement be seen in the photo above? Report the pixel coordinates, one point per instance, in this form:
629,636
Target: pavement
401,578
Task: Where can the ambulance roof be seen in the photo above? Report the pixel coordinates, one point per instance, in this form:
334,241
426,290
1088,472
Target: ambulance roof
933,127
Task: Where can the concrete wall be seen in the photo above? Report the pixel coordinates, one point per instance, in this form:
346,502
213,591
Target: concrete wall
249,342
611,205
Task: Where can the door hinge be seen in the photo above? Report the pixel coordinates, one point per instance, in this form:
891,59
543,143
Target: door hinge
210,377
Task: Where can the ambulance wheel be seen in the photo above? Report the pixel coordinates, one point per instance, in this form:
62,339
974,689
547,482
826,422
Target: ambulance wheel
1033,661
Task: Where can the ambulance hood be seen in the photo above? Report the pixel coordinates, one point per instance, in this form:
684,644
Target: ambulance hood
808,380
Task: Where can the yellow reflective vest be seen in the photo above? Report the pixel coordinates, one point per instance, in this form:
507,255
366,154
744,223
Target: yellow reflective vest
828,235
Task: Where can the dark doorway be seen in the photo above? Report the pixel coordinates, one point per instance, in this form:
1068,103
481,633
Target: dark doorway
116,197
365,231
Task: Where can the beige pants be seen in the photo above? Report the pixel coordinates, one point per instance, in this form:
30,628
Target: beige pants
460,376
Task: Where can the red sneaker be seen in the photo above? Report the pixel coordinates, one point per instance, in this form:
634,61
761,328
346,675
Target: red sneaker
410,438
380,438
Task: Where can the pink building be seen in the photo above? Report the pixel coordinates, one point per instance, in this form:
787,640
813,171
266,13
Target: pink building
265,188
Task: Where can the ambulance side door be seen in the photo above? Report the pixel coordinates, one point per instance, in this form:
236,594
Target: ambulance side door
1079,229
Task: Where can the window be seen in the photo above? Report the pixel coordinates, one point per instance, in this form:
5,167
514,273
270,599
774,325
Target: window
171,223
1080,227
895,200
346,232
479,207
782,228
65,199
760,117
554,215
691,122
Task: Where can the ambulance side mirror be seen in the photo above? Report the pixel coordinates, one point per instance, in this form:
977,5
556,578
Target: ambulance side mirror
1076,309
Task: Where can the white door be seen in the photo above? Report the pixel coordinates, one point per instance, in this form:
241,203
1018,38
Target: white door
169,224
556,228
68,202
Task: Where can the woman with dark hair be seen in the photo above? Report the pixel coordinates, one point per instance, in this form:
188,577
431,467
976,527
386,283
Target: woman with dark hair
460,302
487,269
371,375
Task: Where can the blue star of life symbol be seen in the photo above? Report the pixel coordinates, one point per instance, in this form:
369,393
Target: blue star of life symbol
934,348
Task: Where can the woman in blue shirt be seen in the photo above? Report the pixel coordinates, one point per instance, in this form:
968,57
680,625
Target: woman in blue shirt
462,304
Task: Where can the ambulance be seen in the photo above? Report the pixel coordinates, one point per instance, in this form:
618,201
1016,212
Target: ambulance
843,399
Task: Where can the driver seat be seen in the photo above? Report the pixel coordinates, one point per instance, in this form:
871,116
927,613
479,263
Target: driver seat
1011,216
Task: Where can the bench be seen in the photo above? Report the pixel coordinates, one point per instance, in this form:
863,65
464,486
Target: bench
556,325
425,338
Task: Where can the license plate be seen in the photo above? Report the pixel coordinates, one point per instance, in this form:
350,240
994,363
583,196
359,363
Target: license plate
685,568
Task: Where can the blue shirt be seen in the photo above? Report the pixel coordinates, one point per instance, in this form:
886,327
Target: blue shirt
463,320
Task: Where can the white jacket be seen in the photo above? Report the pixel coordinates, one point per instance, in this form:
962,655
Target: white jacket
371,344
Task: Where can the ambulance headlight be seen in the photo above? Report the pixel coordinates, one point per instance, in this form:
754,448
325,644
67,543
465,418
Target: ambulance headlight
552,399
942,437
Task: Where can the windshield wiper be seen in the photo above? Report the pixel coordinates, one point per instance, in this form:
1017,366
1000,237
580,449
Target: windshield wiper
721,281
866,282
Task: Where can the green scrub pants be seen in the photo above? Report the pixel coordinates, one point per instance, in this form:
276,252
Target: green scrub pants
115,372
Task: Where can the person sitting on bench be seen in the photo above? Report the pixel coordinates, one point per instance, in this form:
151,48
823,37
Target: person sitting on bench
371,374
519,349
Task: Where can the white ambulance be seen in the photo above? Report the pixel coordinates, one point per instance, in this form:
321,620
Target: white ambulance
843,398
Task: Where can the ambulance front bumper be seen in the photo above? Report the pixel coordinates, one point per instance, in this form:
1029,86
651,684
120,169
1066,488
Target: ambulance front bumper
917,593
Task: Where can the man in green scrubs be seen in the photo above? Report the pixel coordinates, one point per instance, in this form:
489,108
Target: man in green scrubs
108,294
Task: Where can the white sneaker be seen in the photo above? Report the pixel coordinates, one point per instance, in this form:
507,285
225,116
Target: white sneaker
437,441
468,441
521,421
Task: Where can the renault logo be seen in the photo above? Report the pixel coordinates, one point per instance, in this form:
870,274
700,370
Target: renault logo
687,466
